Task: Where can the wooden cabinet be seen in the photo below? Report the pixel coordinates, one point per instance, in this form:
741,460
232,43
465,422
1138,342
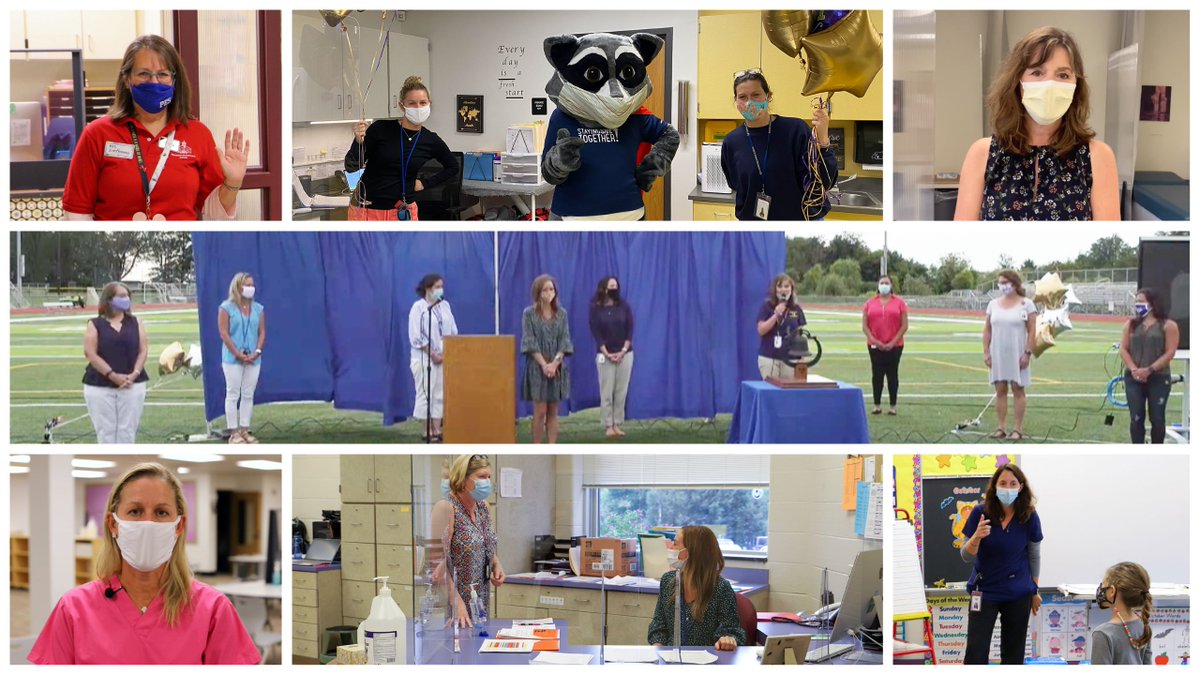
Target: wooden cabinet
18,561
370,479
100,34
730,42
629,614
358,523
713,211
316,606
393,524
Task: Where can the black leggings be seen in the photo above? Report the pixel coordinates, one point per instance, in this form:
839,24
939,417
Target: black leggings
1014,626
885,364
1150,394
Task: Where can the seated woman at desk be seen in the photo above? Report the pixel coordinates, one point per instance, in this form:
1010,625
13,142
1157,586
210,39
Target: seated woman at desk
1125,639
144,607
709,609
392,153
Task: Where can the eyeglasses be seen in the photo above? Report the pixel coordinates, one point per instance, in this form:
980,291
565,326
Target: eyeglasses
480,457
749,71
162,77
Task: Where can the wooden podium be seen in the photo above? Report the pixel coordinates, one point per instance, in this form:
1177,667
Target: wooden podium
480,375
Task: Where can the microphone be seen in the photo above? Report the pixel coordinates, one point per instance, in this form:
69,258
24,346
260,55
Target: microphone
111,592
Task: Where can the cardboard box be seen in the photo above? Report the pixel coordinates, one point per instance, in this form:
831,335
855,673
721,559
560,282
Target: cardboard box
624,556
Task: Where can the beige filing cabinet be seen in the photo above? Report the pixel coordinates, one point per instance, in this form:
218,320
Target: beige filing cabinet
377,532
316,605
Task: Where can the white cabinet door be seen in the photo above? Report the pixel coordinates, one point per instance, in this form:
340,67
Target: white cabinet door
366,48
407,55
358,479
316,69
53,30
107,33
16,33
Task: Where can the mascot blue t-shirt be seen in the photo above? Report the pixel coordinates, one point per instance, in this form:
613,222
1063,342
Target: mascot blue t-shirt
606,181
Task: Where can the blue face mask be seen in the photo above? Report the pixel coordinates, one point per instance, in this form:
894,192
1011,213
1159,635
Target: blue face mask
124,304
1007,495
1141,309
753,108
483,488
445,488
438,293
152,96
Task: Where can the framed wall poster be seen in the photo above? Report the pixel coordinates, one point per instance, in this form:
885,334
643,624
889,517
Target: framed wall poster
469,113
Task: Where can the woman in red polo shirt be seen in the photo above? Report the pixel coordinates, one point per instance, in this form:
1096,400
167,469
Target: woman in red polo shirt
885,321
145,159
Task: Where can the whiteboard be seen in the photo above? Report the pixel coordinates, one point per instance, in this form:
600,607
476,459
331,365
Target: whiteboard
1098,510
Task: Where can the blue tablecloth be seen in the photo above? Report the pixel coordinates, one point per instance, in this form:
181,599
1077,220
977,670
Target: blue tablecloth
765,413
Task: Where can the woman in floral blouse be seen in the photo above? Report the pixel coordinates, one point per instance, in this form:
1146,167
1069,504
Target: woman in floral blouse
709,608
471,540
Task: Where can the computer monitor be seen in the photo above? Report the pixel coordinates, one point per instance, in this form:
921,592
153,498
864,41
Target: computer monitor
866,582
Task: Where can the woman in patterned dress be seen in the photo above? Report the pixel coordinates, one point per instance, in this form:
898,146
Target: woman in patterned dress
545,342
471,539
1043,161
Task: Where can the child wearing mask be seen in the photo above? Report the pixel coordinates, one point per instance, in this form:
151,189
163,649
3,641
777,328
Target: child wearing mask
1125,638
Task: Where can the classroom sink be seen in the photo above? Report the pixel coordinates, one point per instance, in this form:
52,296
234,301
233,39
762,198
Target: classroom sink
856,199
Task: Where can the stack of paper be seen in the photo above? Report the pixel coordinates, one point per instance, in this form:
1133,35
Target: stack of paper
560,659
698,657
630,655
544,623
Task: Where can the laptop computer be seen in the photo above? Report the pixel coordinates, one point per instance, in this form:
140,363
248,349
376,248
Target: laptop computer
320,552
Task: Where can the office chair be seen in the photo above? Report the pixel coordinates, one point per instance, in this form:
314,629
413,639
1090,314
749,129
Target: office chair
747,618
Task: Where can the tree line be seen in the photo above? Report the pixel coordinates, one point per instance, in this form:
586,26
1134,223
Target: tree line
77,259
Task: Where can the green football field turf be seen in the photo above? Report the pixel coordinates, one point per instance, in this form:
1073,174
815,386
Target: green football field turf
943,382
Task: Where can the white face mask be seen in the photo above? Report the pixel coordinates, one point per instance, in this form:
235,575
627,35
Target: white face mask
417,115
603,109
248,292
144,544
673,560
1046,102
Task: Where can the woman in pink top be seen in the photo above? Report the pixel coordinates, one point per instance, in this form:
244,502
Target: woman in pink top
144,607
885,321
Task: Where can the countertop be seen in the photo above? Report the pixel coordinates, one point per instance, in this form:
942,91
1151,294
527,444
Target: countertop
871,186
748,584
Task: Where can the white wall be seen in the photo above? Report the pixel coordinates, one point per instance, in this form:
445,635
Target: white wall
809,531
18,503
464,60
518,521
1164,146
315,483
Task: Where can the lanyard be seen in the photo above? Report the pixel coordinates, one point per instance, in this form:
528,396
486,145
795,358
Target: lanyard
245,321
766,153
404,165
149,183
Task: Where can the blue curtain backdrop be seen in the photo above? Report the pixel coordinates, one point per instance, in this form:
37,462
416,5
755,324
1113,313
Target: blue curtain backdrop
695,298
337,308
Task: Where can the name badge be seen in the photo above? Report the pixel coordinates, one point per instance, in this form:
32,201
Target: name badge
976,601
162,143
118,150
778,342
762,206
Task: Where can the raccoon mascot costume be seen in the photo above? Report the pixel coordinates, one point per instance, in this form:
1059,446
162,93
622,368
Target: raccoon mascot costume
603,147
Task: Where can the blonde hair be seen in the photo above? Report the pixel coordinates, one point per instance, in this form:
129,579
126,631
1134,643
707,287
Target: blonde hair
1132,584
412,83
704,566
463,467
177,582
235,286
1004,97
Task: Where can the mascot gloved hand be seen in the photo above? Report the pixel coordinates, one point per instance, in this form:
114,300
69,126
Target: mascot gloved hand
563,158
607,147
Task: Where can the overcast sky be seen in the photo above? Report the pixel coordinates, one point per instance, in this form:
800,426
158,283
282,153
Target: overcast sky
982,244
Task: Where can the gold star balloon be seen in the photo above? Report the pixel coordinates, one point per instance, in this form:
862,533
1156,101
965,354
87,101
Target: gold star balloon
1049,291
785,28
846,57
334,17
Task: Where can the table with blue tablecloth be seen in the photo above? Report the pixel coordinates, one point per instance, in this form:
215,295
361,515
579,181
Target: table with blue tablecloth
765,413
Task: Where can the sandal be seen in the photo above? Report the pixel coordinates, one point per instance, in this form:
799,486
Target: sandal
1016,436
998,435
620,432
249,437
236,438
892,412
876,411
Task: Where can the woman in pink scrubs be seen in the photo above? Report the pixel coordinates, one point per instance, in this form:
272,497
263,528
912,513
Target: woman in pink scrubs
144,607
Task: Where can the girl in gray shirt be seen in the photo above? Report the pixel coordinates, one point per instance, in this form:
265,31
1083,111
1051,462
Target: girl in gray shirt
1124,639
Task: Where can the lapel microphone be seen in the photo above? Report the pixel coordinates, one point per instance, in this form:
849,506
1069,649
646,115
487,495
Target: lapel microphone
111,592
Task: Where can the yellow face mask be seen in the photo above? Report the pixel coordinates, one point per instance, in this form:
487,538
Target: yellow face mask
1046,102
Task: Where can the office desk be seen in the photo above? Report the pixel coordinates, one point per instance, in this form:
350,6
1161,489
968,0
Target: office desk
765,413
514,191
252,564
436,647
768,629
